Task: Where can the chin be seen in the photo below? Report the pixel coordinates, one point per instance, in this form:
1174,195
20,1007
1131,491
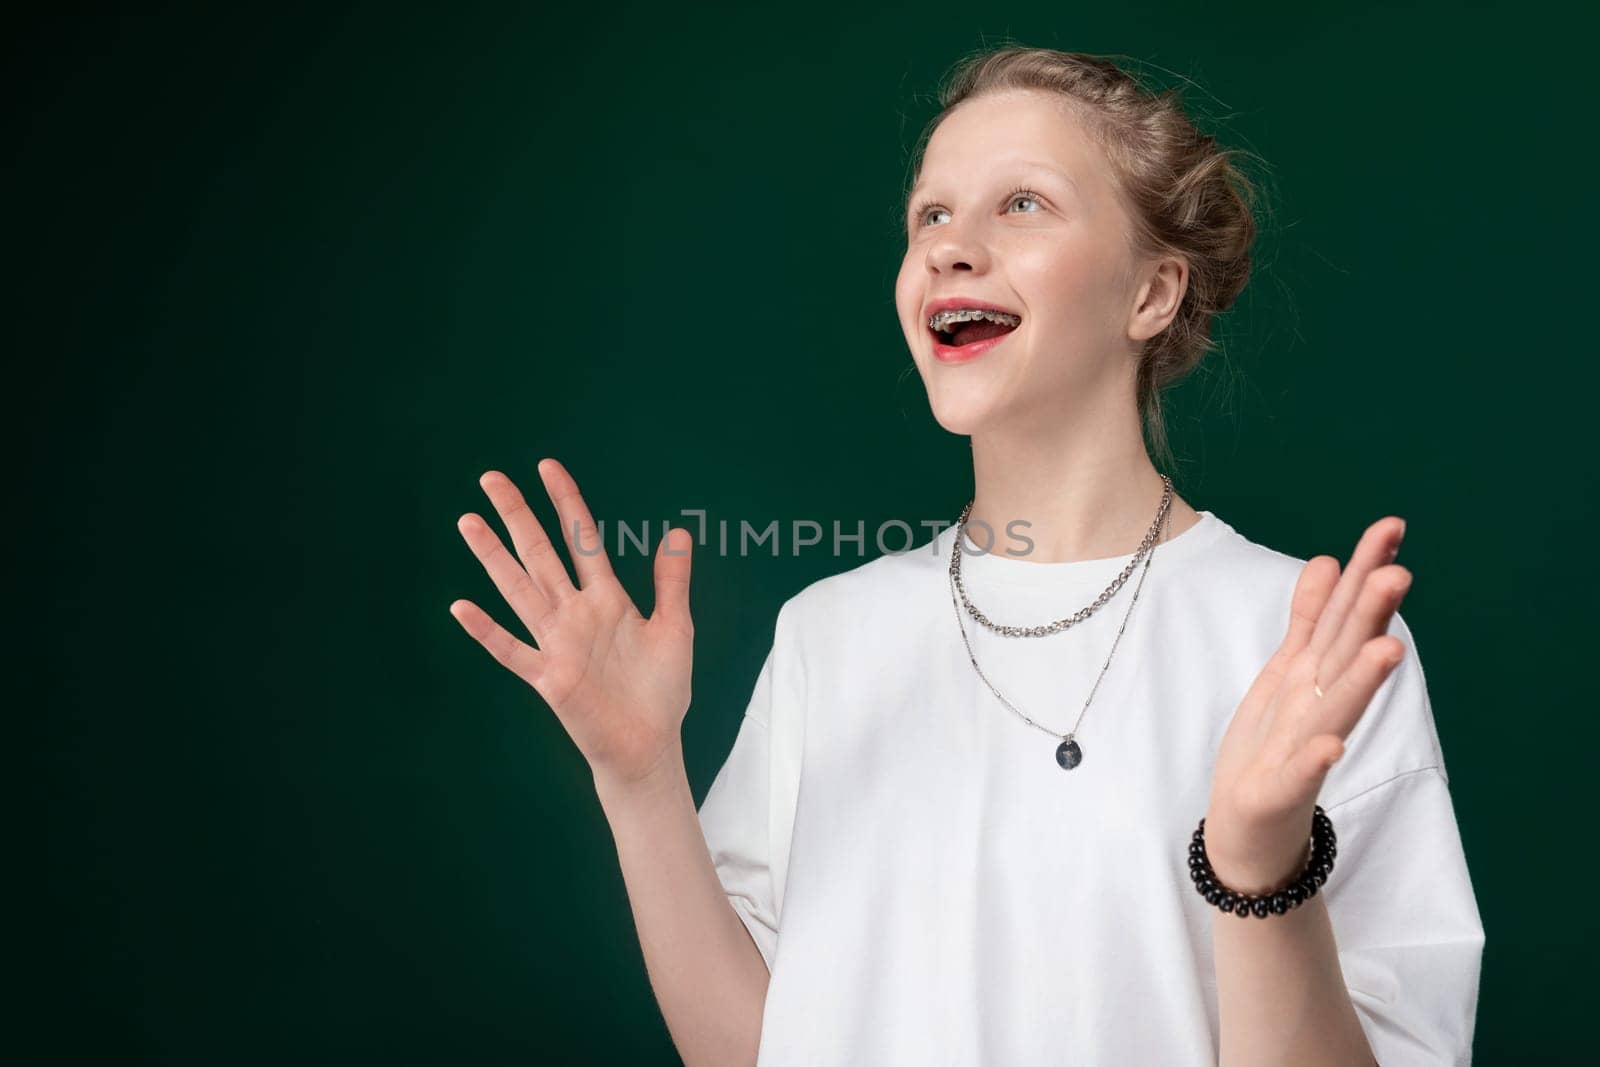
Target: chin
963,417
959,409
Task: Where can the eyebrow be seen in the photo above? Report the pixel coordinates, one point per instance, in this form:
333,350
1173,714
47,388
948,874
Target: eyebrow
1023,164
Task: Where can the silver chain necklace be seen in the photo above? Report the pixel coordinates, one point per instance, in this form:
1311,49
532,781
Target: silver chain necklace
1068,753
1071,620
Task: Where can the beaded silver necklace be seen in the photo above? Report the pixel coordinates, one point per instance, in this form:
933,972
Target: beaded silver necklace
1068,753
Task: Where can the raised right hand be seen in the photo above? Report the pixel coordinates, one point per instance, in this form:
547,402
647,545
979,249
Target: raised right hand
618,682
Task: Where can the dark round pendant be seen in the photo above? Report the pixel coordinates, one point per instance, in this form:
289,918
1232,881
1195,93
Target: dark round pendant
1068,754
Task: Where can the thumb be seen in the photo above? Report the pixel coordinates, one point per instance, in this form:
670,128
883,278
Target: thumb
672,580
1307,768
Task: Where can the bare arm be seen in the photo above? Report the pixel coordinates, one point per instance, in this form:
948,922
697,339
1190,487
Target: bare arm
709,978
619,684
1281,993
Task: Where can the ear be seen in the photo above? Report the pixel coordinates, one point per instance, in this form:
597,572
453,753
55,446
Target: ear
1159,296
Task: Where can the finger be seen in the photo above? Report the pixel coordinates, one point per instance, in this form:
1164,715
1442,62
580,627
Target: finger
1347,697
1311,591
526,663
537,555
1380,598
588,551
672,581
1311,594
1378,546
526,599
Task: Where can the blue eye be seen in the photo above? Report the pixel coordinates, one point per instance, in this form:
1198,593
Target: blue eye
1024,194
920,213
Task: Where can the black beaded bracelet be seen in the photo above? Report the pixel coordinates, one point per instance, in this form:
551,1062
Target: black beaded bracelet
1324,846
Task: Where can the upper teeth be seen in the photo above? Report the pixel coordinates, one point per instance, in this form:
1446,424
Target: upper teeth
943,319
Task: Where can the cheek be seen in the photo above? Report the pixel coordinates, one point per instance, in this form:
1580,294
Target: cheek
1070,285
907,297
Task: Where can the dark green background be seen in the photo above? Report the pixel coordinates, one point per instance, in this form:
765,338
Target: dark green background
282,284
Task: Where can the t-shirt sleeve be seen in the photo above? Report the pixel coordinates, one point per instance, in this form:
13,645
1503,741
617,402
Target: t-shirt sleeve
748,811
1400,897
733,818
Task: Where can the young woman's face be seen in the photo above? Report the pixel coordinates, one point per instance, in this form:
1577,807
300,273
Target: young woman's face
1055,254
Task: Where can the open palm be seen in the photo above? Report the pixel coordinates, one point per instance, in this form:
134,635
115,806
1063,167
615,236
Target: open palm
1292,724
618,682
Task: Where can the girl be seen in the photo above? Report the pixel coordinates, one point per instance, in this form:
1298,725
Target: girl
961,822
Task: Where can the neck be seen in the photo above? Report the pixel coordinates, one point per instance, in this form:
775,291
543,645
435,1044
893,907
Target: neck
1082,495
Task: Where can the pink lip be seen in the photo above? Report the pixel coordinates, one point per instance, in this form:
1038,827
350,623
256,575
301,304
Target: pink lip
965,353
951,353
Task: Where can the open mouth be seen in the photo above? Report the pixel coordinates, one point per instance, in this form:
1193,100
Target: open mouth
962,334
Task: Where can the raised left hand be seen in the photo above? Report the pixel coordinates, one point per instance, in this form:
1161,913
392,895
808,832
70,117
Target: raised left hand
1284,738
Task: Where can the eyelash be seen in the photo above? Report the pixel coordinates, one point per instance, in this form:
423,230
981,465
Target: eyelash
926,206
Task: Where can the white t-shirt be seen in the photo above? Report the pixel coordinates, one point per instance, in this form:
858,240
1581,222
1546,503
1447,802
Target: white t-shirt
929,887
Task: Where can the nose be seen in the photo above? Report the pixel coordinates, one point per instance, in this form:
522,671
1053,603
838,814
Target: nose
955,250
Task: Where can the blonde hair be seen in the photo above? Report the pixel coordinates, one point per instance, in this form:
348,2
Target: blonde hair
1185,194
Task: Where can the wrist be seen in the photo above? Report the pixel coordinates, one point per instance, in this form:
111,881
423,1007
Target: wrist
1254,877
666,775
